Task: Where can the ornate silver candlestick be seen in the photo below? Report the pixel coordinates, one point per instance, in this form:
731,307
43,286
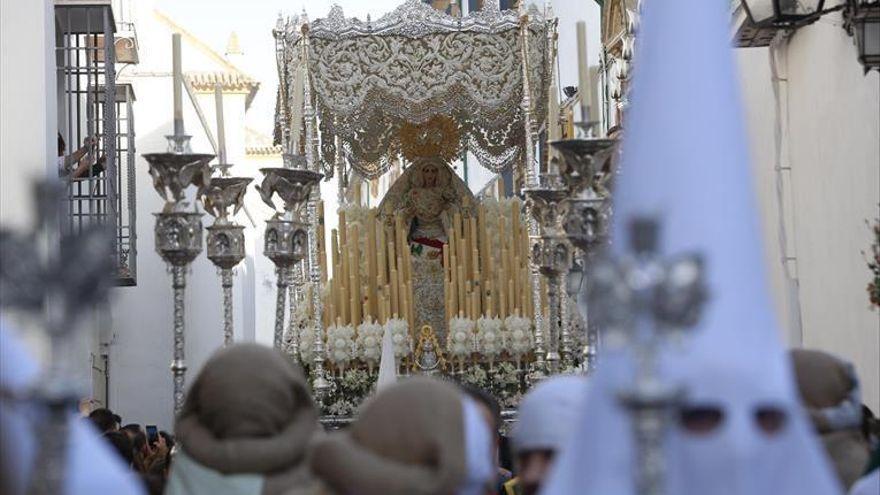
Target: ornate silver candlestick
551,252
56,280
225,237
178,234
585,169
286,241
648,299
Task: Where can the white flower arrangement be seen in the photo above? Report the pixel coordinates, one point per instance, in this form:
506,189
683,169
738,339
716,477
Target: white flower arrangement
490,338
459,340
520,339
369,342
400,336
341,345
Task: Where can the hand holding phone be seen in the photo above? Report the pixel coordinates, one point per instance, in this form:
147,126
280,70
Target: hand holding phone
152,434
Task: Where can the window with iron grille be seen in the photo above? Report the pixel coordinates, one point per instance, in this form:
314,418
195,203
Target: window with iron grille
96,129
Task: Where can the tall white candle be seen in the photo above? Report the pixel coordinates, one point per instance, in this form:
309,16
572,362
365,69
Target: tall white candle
178,84
221,130
584,86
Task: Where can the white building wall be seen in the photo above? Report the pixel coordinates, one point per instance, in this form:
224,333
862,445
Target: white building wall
28,141
831,140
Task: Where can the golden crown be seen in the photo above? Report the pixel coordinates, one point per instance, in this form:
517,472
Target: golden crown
437,138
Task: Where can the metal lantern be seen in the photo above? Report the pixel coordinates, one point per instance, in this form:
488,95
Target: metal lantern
863,22
574,279
221,199
287,238
783,13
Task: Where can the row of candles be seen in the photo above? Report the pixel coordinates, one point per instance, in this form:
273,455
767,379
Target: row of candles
483,277
373,285
485,273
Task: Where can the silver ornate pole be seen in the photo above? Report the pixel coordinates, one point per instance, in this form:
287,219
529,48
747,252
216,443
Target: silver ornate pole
178,241
551,252
226,280
320,385
178,233
223,198
647,300
531,177
296,298
585,166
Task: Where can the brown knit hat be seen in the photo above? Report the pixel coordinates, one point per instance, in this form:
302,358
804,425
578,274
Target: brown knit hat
249,411
825,381
408,440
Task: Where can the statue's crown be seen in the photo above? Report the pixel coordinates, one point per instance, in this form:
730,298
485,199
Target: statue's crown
438,137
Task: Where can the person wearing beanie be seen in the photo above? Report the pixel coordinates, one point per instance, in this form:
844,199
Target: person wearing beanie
245,427
418,437
830,391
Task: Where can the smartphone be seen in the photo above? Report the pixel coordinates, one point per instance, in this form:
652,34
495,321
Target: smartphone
152,434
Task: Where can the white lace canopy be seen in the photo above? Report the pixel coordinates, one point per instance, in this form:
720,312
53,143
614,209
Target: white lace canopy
364,79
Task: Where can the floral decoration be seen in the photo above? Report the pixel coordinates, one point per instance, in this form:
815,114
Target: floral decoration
490,338
341,347
520,339
369,342
460,340
400,336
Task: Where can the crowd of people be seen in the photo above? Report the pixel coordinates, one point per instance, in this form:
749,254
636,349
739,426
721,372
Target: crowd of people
250,426
147,453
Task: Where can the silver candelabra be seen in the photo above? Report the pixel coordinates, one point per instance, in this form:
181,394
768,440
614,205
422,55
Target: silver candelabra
286,238
223,198
585,168
178,233
551,253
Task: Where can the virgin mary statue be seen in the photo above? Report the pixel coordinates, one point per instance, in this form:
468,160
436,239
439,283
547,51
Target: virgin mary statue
427,196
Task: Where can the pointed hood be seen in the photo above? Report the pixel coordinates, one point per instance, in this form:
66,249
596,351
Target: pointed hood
685,163
90,466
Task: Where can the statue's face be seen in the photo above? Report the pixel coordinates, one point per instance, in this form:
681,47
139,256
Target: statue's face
429,174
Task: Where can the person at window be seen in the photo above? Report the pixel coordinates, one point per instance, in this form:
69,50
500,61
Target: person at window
79,163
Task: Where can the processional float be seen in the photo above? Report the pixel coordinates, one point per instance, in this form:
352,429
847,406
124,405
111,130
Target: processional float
362,99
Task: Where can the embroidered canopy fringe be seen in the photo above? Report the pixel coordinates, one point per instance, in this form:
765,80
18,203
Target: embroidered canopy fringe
365,80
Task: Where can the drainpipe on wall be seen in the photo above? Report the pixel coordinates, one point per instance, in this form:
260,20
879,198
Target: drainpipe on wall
785,201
